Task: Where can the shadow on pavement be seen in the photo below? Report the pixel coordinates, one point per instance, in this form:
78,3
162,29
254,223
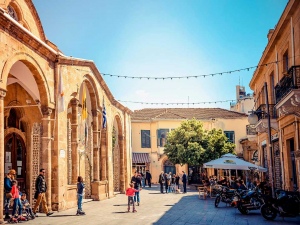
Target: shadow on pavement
192,210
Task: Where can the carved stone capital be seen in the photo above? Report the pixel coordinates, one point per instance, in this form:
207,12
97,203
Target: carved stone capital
95,112
46,111
74,101
2,93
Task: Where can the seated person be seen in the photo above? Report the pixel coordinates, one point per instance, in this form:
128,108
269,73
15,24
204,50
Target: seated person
26,206
241,185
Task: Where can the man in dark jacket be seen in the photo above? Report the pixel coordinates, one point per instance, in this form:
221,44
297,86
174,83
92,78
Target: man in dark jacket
148,178
40,193
184,180
161,181
136,180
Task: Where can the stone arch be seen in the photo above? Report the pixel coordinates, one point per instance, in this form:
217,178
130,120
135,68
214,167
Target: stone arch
118,156
92,88
32,10
35,70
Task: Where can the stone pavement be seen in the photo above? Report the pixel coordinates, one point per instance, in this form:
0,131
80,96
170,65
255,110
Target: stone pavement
158,209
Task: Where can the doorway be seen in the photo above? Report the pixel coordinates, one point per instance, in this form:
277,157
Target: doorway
15,158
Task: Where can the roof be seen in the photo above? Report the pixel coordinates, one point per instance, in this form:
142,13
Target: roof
140,158
185,113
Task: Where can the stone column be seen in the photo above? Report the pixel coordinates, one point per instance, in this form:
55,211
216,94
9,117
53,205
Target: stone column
122,165
74,140
96,169
2,95
46,151
103,156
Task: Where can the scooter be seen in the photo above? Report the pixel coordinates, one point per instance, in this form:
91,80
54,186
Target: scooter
248,200
224,195
286,204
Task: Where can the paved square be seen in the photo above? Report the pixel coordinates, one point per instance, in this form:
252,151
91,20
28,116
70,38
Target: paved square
159,209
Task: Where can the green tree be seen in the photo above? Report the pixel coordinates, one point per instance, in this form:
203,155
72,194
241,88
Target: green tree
191,144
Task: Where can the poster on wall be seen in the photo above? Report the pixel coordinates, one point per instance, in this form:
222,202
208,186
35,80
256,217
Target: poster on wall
7,167
7,157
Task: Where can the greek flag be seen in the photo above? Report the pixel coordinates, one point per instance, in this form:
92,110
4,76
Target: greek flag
103,116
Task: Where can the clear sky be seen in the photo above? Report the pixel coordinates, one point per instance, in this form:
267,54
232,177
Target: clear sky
161,38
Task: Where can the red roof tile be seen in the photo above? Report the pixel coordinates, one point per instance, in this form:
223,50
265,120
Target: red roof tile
185,113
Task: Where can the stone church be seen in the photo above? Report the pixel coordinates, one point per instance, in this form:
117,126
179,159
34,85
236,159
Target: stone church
56,113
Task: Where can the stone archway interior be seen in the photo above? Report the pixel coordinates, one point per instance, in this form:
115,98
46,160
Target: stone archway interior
19,73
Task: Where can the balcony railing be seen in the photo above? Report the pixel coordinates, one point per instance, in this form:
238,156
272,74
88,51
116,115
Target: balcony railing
290,81
251,130
261,112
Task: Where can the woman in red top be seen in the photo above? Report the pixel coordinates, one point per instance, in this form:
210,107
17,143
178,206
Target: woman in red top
130,192
17,202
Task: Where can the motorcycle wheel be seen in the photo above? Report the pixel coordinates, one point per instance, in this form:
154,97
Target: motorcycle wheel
242,210
217,201
268,212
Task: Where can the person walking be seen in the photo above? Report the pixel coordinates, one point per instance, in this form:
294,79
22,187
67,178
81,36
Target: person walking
161,181
148,178
184,180
80,193
7,188
177,178
136,180
40,193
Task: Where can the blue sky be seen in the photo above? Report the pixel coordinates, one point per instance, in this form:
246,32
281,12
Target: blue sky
160,38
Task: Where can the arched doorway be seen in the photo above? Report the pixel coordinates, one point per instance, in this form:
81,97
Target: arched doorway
15,158
169,167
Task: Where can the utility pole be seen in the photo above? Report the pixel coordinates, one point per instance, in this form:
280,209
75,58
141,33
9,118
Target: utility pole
271,172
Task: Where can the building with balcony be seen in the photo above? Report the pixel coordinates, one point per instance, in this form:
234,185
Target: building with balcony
150,129
276,83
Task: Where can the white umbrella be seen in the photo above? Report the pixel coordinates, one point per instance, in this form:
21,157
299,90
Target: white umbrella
231,162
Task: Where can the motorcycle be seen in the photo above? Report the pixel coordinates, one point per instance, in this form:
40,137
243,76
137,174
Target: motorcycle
248,200
224,195
286,204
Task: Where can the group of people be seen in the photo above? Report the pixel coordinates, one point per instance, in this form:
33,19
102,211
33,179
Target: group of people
19,199
20,202
170,183
236,183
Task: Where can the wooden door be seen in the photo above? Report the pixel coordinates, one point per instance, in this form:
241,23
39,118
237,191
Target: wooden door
15,158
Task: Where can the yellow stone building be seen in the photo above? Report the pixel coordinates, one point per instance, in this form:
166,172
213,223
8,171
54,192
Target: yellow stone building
278,75
151,126
51,115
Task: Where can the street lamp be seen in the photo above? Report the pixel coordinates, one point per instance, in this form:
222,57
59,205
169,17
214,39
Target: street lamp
253,119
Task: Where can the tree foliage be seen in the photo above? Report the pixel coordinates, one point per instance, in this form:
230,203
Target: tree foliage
191,144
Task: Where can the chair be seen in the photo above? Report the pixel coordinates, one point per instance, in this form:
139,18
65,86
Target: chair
202,192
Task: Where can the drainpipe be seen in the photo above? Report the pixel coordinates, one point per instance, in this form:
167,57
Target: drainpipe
281,156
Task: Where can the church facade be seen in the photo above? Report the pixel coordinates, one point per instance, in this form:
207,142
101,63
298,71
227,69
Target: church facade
57,113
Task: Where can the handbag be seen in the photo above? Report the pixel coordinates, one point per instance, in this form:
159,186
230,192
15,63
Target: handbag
36,195
8,195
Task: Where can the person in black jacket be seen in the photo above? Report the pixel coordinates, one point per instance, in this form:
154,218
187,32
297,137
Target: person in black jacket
148,178
40,193
184,180
136,180
161,181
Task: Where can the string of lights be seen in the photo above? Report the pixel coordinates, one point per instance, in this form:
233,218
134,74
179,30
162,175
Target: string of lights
196,76
180,103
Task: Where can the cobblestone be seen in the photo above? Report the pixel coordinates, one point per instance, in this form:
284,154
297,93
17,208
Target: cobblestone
159,209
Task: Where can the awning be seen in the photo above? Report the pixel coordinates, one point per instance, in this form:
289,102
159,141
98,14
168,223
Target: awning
140,158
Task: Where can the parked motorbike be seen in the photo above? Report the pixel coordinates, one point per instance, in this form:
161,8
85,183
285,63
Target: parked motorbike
286,204
248,200
224,194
